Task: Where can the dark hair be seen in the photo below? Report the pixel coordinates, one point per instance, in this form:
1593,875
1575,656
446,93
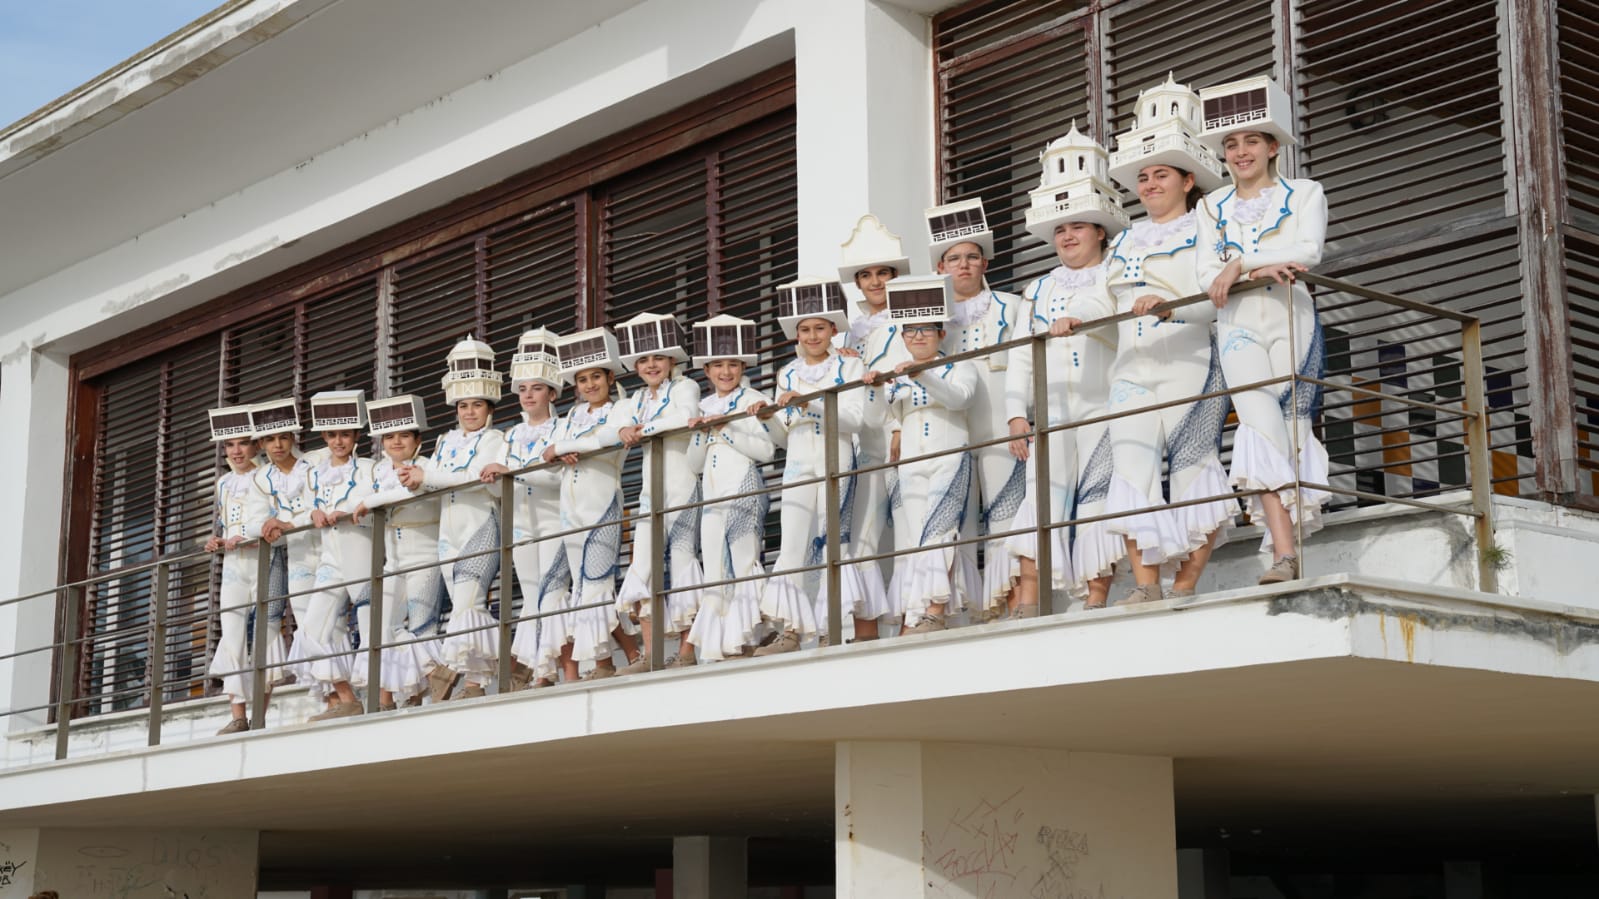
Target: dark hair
1195,193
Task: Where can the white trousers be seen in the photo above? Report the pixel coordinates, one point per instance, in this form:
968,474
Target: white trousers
412,603
346,554
730,546
231,661
468,524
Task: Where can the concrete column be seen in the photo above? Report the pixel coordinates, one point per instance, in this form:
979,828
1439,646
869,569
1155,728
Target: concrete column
709,867
1203,874
922,819
129,864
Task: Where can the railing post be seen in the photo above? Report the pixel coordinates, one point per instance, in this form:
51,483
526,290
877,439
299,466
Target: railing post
1294,339
258,649
158,651
1043,556
68,681
374,606
507,502
1478,453
657,647
835,610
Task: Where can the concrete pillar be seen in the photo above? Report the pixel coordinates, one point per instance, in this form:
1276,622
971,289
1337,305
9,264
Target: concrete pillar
1203,874
709,867
128,864
925,819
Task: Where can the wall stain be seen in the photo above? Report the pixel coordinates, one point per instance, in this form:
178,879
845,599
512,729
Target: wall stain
139,298
1329,604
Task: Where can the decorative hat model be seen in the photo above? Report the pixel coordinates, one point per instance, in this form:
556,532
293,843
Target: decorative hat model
810,298
871,244
537,358
1166,132
338,410
1074,188
921,299
650,334
594,348
229,422
275,417
469,373
397,413
725,337
1253,104
958,222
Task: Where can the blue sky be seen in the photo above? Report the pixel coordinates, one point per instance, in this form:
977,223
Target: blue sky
49,47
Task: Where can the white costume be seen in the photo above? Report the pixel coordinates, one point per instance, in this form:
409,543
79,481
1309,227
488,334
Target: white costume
239,513
590,498
469,522
670,406
540,565
346,554
294,558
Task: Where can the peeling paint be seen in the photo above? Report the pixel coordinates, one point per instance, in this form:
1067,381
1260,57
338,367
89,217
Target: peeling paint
239,256
135,300
1330,604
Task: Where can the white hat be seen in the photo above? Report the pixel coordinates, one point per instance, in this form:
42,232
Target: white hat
1074,188
650,334
869,245
229,422
1253,104
725,337
275,417
1166,132
537,359
397,413
955,223
469,373
916,299
338,410
594,348
810,298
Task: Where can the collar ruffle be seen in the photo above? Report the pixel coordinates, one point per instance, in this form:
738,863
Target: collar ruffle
968,311
1076,278
1253,210
1148,235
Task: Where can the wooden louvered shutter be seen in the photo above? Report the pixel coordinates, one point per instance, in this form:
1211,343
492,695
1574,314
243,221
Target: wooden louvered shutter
531,282
1582,294
339,346
433,306
1012,76
1577,32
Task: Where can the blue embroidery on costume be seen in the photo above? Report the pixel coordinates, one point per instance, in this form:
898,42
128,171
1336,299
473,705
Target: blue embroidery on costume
1009,498
949,512
1094,483
1197,436
1237,339
1312,366
603,544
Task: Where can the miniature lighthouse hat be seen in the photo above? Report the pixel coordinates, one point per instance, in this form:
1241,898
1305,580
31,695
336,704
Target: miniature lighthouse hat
869,245
397,413
594,348
537,359
275,417
229,422
725,337
1166,132
1253,104
469,373
1074,188
810,298
650,334
921,299
955,223
338,410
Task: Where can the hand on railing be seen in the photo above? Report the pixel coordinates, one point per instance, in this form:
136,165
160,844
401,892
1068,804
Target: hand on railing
223,543
1062,327
1020,440
1148,301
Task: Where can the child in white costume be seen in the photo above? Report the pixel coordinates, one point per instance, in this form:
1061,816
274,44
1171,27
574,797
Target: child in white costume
1075,209
812,311
1165,358
468,519
240,509
1266,226
412,601
730,455
283,481
961,247
652,345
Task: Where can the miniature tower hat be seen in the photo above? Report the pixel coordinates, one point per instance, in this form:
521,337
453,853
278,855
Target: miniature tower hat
397,413
275,417
537,359
725,337
594,348
921,299
1253,104
958,222
338,410
1074,188
229,422
869,245
469,373
650,334
1166,132
810,298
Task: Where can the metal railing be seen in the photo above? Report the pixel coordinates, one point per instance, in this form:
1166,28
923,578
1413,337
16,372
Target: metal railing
1471,413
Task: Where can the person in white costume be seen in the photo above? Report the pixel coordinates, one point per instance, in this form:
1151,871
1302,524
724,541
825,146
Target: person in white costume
1266,226
871,258
652,345
931,409
591,498
468,520
412,601
239,510
540,564
961,247
1165,358
812,311
283,481
1076,210
729,454
339,484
